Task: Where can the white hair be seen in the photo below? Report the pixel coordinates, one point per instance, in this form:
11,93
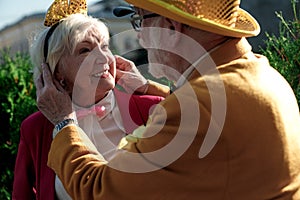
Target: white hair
64,39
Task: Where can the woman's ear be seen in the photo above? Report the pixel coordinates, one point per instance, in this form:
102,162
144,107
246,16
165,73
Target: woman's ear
58,76
62,83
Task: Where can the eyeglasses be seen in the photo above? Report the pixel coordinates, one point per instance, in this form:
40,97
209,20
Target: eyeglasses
136,20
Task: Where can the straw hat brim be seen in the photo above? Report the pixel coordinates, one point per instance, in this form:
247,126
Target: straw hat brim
246,25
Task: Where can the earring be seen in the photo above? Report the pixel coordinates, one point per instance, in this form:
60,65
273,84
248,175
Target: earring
62,82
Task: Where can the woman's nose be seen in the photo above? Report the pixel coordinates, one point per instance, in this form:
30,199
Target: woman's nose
101,56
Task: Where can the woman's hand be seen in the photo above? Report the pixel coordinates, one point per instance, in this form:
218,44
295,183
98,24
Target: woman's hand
129,77
52,100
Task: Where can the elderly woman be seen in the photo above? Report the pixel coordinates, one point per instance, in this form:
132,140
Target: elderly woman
77,52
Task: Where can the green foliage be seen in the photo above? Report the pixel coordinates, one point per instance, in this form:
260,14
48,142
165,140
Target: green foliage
17,98
283,51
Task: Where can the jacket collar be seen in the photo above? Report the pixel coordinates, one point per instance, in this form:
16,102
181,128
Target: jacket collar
227,52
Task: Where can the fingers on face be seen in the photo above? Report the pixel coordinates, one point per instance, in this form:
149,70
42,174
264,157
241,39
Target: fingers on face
45,79
39,82
47,76
123,64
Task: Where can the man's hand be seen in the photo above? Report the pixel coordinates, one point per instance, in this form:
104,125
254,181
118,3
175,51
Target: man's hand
129,77
52,100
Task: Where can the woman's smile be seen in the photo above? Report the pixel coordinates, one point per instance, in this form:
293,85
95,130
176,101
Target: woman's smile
102,74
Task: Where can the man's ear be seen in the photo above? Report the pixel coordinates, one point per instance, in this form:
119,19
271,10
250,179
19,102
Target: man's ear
175,29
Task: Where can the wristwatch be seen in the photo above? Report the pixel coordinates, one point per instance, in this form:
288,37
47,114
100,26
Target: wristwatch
62,124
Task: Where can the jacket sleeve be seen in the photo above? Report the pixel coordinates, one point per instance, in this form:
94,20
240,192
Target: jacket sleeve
23,185
86,175
157,89
33,179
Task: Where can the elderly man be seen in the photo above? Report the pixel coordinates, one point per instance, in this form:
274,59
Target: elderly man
230,130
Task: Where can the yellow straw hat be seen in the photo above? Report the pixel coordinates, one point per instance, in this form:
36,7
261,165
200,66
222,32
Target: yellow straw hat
223,17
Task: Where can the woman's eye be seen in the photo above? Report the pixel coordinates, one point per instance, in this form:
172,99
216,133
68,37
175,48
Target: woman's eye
84,50
105,47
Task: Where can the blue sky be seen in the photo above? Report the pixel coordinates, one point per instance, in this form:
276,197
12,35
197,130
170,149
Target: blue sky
12,11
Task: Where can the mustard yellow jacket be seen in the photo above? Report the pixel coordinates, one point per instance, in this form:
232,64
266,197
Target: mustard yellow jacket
227,134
